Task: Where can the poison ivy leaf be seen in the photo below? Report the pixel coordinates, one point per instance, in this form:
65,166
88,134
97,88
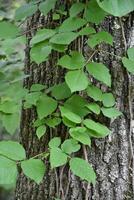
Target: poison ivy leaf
117,8
94,107
93,13
8,171
8,122
94,93
59,48
130,53
98,129
82,169
9,107
76,80
64,38
87,31
12,150
111,112
40,131
25,11
8,30
38,122
46,106
52,122
74,61
32,98
57,157
100,37
34,169
76,8
70,146
56,16
37,87
108,100
70,115
46,6
55,142
41,35
100,72
128,64
77,104
68,123
72,24
80,134
61,91
39,53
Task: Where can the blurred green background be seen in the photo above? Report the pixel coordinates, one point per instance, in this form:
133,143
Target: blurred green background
7,12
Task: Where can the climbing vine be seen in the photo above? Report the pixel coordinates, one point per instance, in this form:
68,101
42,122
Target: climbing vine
64,103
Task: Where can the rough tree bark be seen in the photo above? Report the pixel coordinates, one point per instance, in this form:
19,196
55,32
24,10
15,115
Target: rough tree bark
112,157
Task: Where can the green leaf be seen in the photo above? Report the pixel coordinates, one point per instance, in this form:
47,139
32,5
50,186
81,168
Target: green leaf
128,64
8,30
46,6
130,53
8,171
8,122
12,150
40,131
74,61
37,87
70,146
93,13
100,72
41,35
32,98
67,122
46,106
9,107
111,112
55,142
77,104
64,38
39,53
117,8
70,115
76,8
98,129
38,122
94,93
100,37
87,31
57,157
82,169
25,10
94,107
52,122
59,48
76,80
34,169
60,91
80,134
72,24
108,100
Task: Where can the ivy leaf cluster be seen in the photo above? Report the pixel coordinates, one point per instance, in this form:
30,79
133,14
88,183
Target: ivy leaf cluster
65,102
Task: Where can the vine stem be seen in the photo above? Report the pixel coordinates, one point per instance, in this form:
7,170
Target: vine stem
86,158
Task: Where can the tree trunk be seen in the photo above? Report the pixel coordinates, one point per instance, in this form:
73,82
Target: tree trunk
112,157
